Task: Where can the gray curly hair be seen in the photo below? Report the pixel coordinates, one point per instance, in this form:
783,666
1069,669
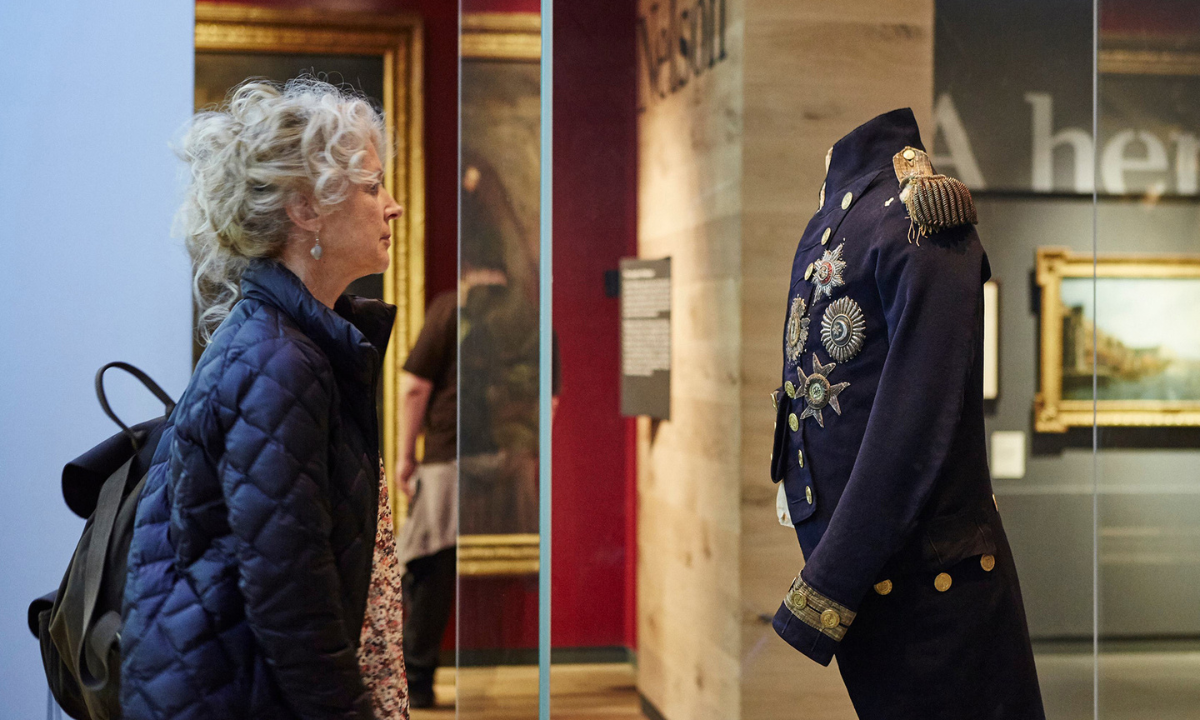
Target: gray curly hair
264,147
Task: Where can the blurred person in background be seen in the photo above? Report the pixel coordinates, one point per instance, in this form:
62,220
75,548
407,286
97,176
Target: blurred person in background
429,401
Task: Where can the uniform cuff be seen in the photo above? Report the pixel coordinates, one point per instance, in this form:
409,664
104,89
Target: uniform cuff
811,622
816,645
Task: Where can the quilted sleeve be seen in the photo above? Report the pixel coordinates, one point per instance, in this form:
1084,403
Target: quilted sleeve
274,474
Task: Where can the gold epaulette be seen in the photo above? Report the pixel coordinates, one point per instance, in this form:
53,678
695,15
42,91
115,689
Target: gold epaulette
934,202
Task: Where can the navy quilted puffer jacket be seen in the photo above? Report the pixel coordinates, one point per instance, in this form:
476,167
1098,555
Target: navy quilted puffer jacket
252,548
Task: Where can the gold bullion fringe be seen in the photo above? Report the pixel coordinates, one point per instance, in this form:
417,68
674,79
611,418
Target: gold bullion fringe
935,203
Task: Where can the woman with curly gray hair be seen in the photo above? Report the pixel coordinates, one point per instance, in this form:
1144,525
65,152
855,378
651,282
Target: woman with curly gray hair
262,577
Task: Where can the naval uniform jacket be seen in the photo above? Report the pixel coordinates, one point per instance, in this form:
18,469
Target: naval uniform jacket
908,577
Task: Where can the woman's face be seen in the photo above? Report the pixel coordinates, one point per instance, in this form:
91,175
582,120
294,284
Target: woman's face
356,235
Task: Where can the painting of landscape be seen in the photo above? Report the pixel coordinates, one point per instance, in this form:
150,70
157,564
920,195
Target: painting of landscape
1141,336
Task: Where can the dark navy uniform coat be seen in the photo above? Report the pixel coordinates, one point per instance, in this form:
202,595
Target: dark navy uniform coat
908,576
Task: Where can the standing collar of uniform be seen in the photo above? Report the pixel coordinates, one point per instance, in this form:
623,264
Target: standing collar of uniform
353,335
868,148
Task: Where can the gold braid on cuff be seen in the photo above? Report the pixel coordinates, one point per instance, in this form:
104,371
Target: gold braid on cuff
818,611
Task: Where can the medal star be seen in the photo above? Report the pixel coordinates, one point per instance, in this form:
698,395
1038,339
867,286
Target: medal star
834,391
823,370
828,271
818,392
797,329
810,412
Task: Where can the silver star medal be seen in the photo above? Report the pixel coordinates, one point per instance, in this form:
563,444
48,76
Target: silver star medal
827,272
818,392
797,329
843,329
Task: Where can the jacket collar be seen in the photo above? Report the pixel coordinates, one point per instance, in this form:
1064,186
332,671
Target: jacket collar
353,335
868,148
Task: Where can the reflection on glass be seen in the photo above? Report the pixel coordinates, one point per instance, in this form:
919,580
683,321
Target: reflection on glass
498,321
1013,111
499,173
1148,355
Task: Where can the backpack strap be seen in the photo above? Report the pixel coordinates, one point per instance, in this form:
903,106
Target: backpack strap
145,380
103,521
98,637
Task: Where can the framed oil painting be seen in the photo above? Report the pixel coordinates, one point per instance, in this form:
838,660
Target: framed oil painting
498,331
380,55
1124,338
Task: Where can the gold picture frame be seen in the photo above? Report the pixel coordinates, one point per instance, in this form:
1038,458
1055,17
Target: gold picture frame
1133,53
397,40
1120,61
503,37
490,555
1068,336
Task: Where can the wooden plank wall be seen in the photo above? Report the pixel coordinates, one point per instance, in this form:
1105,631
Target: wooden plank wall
689,185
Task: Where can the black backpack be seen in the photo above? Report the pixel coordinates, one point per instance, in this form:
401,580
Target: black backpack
79,625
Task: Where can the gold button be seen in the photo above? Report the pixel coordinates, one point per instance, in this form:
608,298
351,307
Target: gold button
808,271
800,457
799,600
808,495
793,422
909,154
825,237
883,588
830,618
790,389
987,562
942,582
995,503
775,400
846,200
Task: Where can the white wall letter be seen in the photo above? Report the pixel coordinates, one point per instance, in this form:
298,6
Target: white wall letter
1114,163
1045,141
961,157
1187,163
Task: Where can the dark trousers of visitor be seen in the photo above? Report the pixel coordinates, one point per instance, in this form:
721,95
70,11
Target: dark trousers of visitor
428,600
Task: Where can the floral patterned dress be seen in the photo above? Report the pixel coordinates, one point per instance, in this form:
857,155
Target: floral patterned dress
380,652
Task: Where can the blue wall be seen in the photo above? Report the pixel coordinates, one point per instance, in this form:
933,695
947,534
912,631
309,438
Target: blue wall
94,92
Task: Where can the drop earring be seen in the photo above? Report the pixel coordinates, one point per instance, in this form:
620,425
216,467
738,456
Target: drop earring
316,251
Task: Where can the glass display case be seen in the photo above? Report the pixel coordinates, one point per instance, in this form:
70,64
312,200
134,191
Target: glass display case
688,147
606,201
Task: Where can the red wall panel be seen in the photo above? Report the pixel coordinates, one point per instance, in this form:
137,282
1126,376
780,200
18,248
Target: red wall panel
595,224
1164,19
501,5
